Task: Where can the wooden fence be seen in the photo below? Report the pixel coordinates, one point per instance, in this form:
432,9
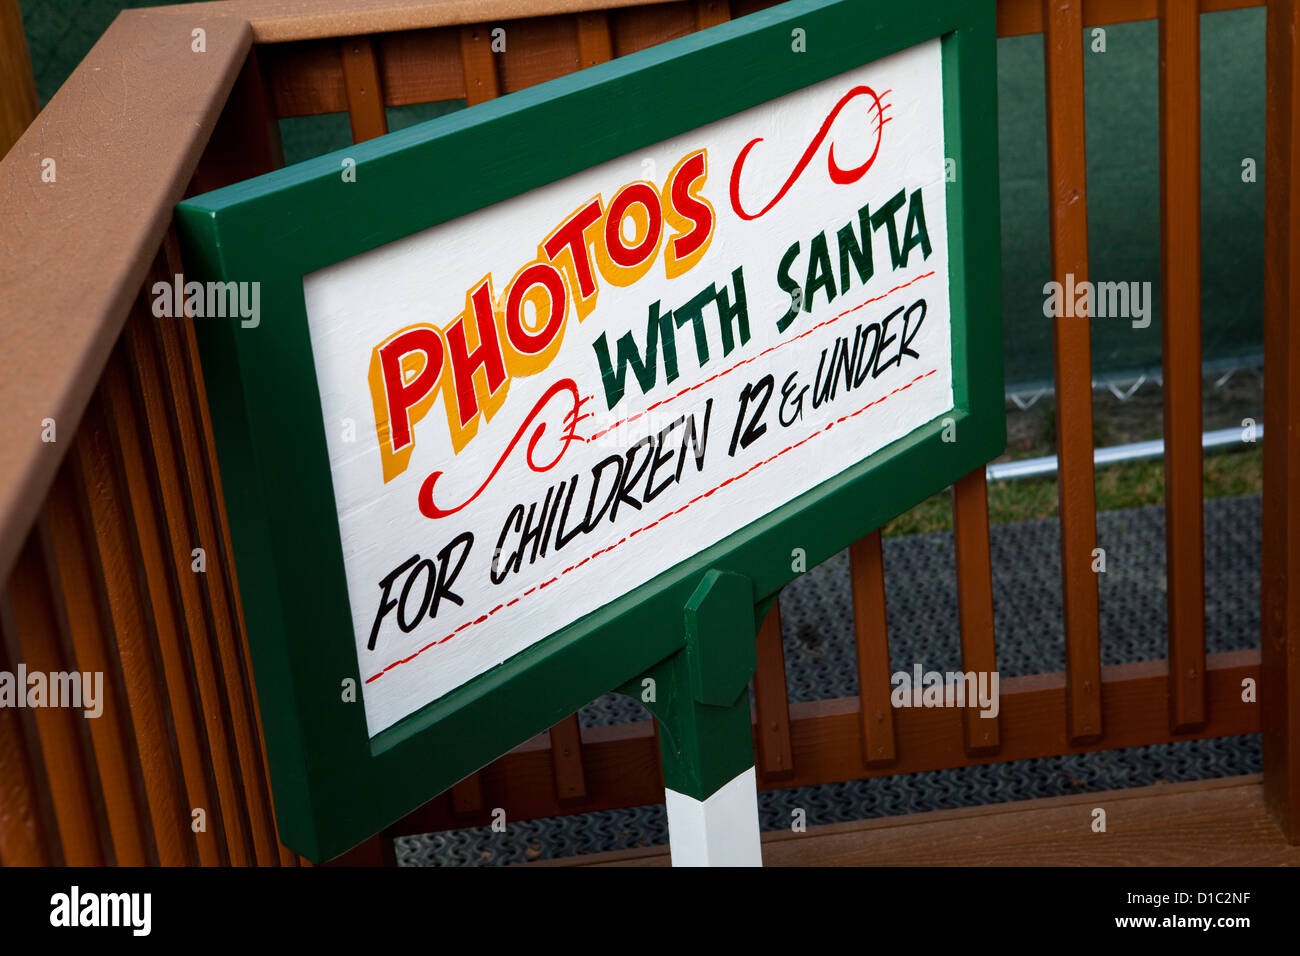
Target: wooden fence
104,529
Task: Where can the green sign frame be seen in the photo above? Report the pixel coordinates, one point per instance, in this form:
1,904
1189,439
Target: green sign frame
334,786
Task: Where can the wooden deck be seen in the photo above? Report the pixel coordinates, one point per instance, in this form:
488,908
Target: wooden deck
1219,822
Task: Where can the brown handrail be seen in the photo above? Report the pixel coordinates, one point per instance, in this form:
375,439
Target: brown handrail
125,134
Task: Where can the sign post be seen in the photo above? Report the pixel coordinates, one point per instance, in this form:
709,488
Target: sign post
704,727
547,397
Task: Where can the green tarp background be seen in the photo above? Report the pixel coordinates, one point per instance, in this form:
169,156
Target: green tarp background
1123,174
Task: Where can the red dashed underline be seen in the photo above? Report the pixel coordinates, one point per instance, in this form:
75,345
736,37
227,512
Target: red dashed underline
754,358
591,557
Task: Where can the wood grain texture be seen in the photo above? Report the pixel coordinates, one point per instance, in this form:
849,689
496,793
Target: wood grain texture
537,50
595,45
32,629
227,814
1280,567
23,838
771,700
129,622
970,506
158,563
306,78
365,94
710,13
636,28
110,733
1180,330
420,66
230,580
228,643
1067,175
1220,822
478,65
871,637
566,759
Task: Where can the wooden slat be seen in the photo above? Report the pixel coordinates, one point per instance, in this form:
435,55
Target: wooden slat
467,796
306,79
421,66
566,759
365,95
110,733
229,653
620,760
639,28
230,581
595,44
116,564
32,621
478,64
710,13
1067,174
536,50
1180,330
772,700
169,469
1280,567
159,565
970,506
871,635
23,841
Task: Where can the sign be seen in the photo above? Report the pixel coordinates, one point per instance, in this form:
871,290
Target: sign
538,385
572,391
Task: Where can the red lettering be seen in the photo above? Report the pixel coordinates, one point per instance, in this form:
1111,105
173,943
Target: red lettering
486,355
400,395
548,277
570,235
698,212
633,194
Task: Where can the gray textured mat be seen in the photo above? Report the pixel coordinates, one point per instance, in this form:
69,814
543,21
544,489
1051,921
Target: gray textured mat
920,585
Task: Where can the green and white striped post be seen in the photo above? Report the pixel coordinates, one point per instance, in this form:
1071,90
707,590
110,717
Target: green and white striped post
701,699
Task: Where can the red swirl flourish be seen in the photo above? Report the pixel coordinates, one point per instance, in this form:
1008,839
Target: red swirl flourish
838,175
567,437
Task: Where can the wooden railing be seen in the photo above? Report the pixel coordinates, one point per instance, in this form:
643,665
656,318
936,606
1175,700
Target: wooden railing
102,530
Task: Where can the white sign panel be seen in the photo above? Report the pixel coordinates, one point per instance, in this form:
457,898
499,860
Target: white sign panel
540,406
